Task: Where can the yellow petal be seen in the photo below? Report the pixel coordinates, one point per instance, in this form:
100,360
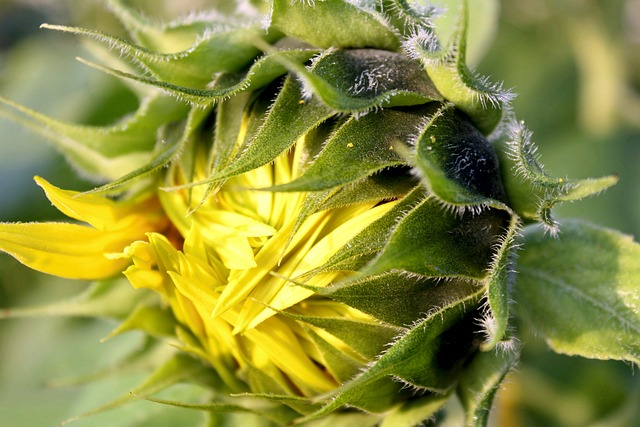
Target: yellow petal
96,210
282,346
314,255
77,251
103,213
65,250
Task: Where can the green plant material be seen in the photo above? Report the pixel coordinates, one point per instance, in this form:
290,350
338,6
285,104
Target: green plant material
457,163
108,299
410,357
218,52
431,242
333,23
501,276
166,151
532,191
103,152
225,84
580,291
480,382
480,99
357,147
178,369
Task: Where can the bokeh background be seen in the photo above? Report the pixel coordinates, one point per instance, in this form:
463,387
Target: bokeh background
575,65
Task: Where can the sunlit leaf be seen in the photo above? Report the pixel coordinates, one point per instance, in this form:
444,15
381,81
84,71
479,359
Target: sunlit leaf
397,299
273,138
415,412
166,151
225,85
581,291
480,99
359,81
366,338
361,147
224,50
366,245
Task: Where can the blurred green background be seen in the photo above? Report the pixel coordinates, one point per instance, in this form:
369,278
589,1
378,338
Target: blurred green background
575,65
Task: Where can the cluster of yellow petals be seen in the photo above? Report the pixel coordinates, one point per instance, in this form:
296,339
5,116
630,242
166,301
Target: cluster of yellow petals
228,277
81,251
227,269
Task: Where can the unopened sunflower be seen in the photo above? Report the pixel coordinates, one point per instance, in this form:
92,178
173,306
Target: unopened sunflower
317,204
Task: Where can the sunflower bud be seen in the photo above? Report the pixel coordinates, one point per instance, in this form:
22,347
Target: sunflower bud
314,206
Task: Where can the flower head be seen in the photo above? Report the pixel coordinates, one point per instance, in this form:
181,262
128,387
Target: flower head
315,207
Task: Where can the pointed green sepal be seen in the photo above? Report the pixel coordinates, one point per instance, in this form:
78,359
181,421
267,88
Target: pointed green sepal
108,298
479,383
456,161
419,358
499,280
224,85
219,51
107,152
397,298
532,191
433,242
333,23
361,147
483,101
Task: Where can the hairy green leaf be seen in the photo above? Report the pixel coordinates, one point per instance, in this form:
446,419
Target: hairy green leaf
390,184
501,275
225,85
364,337
358,81
581,291
167,37
273,138
416,411
228,50
343,366
409,17
397,299
481,100
420,357
362,248
166,151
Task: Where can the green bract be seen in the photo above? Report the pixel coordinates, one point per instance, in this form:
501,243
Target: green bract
383,111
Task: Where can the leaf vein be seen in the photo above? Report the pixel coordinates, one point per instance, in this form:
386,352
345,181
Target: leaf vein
579,293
